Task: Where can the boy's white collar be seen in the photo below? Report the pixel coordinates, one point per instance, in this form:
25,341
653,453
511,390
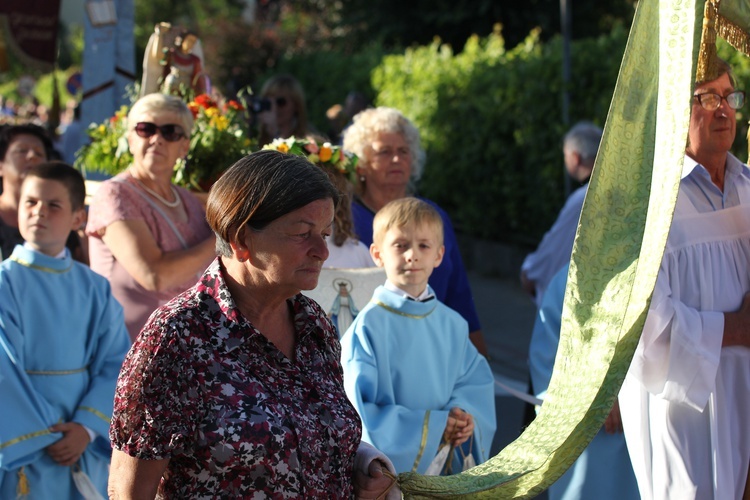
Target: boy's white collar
425,295
61,255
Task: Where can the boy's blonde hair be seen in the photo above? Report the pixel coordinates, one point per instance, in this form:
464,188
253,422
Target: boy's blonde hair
404,212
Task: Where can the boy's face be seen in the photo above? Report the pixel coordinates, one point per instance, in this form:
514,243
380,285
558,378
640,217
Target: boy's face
45,215
409,254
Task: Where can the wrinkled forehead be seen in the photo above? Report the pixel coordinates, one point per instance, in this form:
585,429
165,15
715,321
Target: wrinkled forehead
157,116
27,140
719,85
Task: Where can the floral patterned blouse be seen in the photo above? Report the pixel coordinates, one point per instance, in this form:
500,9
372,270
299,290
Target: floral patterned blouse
237,419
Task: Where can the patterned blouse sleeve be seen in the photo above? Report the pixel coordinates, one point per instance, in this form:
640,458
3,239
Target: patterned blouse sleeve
158,402
112,202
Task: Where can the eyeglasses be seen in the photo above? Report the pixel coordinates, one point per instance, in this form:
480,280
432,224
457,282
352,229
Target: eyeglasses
280,101
170,133
711,101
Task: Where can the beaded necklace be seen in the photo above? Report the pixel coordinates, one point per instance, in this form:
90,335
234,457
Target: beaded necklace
170,204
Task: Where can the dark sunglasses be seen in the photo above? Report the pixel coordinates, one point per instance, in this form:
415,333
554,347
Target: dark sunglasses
280,101
170,133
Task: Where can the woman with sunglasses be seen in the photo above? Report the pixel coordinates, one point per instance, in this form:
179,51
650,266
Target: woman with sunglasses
147,236
287,115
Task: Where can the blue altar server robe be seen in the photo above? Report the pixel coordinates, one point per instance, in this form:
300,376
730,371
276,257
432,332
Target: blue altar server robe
406,364
62,342
603,470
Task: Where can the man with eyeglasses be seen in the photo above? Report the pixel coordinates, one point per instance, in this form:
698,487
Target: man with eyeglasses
685,402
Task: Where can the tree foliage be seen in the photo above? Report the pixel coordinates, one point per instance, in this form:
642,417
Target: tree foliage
398,23
238,54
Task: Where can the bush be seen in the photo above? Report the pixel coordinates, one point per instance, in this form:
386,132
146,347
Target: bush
491,124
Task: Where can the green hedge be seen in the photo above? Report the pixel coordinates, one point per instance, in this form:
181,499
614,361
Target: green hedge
491,123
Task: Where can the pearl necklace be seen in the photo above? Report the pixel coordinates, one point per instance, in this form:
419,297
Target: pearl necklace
170,204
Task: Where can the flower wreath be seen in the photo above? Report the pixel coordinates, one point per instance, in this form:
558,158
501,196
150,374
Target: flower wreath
324,155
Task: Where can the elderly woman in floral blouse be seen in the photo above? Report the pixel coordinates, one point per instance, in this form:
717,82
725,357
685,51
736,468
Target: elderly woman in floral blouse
235,388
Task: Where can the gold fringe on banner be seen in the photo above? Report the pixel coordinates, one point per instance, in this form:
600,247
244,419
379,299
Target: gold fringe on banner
707,67
734,35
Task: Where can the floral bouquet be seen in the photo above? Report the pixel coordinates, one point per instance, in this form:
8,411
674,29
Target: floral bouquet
323,154
220,137
108,150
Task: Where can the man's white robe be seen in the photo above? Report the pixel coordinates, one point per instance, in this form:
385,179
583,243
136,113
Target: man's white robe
686,400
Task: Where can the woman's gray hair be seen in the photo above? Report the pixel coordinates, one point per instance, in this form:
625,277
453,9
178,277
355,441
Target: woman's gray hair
156,104
359,135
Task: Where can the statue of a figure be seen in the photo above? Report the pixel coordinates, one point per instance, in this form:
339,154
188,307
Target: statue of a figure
182,68
173,57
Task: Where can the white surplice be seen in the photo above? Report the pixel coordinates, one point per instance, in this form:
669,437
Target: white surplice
685,402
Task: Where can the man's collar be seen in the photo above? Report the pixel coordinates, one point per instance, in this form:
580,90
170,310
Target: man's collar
732,165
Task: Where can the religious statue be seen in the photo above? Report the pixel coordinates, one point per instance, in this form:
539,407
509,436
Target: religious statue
182,68
173,61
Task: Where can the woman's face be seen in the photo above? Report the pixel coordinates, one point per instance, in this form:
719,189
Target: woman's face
289,253
24,151
155,155
283,106
388,162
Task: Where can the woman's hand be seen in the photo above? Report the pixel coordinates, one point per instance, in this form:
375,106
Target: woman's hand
69,448
374,484
459,428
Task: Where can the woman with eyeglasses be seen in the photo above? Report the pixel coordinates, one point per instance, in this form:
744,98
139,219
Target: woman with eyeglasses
390,162
287,115
147,236
684,403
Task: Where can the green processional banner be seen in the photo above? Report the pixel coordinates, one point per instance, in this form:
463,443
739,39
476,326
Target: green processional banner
618,249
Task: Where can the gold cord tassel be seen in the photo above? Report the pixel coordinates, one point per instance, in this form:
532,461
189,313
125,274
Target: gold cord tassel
707,67
22,489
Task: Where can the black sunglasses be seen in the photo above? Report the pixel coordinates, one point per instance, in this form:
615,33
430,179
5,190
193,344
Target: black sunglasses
280,101
170,133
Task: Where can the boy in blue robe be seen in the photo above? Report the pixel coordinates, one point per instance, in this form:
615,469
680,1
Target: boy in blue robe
410,369
62,342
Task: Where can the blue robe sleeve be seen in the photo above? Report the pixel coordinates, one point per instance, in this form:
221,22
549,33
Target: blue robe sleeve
112,344
474,392
24,431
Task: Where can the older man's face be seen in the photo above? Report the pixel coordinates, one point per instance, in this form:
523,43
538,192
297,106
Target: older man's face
712,132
